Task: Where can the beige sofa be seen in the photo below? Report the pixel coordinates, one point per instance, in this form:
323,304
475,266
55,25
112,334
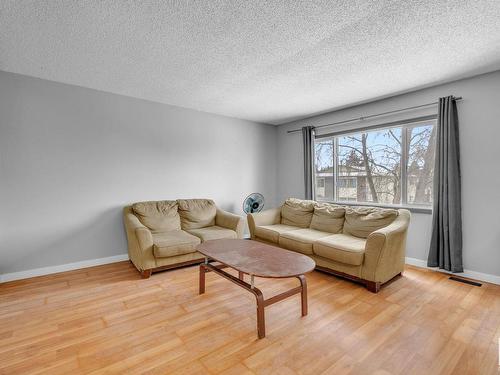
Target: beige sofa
365,244
164,234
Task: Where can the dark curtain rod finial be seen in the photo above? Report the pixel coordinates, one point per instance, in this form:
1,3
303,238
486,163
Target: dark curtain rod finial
456,98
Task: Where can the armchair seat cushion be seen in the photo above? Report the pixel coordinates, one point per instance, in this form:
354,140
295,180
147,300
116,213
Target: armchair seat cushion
271,233
213,232
301,240
173,243
341,248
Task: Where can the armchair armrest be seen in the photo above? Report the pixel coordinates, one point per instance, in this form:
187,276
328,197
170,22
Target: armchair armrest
266,217
385,250
140,241
143,234
230,221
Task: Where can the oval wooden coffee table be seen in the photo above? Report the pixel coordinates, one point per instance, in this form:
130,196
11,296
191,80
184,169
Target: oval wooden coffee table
257,260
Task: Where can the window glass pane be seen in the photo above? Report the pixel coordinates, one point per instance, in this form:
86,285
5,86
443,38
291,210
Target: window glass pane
420,168
369,167
323,155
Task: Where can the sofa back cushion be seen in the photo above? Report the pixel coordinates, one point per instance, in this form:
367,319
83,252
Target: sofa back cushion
297,212
158,216
361,221
328,218
197,213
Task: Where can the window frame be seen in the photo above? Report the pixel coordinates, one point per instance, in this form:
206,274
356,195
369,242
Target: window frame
405,125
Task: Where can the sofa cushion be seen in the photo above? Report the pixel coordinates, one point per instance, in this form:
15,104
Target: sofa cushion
197,213
158,216
361,221
272,233
328,218
297,212
341,248
172,243
301,240
213,233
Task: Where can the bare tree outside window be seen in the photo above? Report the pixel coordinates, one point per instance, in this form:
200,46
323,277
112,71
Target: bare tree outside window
421,152
374,158
368,166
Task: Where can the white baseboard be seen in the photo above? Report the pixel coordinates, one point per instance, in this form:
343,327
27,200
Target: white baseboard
61,268
494,279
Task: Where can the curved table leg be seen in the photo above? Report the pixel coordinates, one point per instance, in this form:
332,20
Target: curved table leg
303,293
261,316
202,278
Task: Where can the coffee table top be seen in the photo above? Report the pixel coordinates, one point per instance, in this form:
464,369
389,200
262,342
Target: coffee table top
256,258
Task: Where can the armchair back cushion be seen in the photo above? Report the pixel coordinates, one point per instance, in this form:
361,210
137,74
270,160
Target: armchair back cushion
158,216
328,218
297,212
197,213
361,221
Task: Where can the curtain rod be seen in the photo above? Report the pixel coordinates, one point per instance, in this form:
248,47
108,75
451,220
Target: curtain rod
371,116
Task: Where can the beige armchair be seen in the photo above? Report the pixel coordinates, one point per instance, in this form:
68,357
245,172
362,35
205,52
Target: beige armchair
164,234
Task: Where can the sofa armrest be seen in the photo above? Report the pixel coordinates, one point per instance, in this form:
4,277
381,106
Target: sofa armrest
143,234
140,241
230,221
385,250
144,237
131,221
267,217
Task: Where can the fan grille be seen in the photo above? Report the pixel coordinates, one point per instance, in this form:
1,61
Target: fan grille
253,203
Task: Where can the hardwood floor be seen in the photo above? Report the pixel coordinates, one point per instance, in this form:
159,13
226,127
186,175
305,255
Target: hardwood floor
108,320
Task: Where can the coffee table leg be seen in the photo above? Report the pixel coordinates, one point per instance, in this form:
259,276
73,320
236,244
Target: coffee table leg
261,317
303,293
240,275
202,278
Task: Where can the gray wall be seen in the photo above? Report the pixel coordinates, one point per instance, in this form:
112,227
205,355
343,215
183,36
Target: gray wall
479,116
71,158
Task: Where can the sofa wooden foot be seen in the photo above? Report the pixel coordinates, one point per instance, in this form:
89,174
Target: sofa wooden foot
146,274
373,286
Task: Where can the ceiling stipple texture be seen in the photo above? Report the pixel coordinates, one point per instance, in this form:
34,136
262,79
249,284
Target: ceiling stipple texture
268,61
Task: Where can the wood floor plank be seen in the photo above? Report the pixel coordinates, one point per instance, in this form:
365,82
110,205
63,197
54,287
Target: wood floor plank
107,320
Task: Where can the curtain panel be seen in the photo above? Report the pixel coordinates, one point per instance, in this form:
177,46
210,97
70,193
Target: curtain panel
308,148
446,242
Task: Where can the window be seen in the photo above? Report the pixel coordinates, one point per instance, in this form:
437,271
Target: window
347,182
391,166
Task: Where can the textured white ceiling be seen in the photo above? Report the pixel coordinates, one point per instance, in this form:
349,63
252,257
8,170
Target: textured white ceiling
269,61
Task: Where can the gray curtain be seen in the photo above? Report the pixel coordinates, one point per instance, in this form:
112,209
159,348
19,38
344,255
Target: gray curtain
446,243
308,139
